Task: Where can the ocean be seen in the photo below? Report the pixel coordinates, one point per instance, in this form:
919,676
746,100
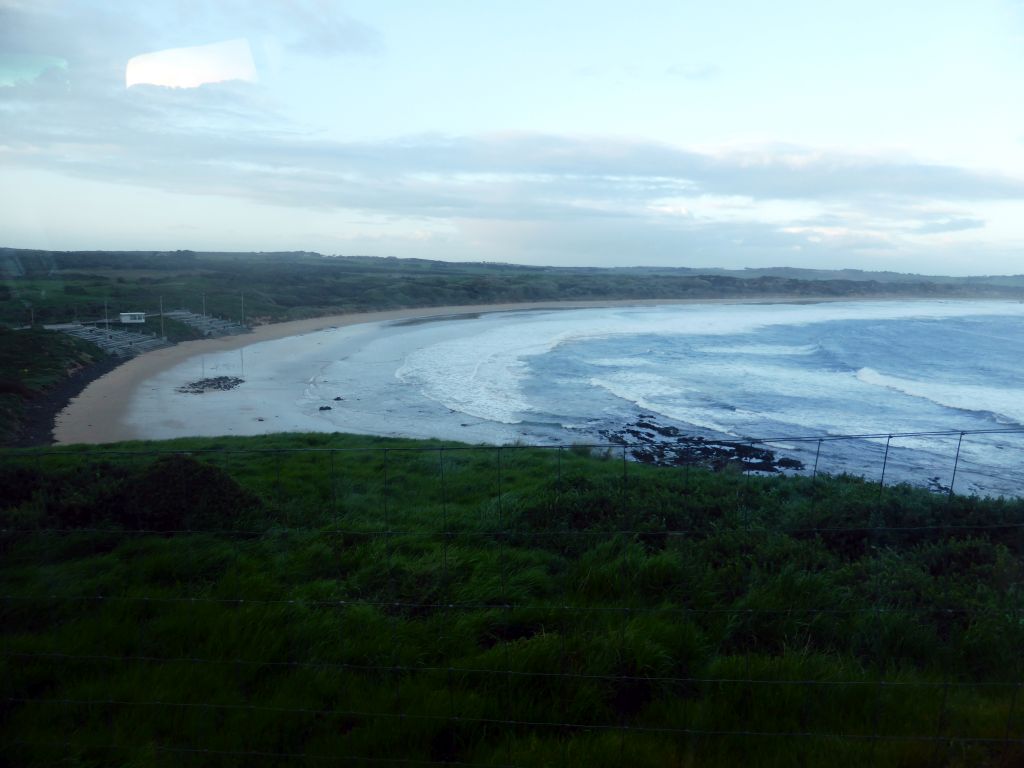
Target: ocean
786,373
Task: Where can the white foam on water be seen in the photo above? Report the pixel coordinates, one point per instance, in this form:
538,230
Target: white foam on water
1006,405
621,362
655,393
766,350
480,373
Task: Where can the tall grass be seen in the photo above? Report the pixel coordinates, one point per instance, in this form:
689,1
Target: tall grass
302,598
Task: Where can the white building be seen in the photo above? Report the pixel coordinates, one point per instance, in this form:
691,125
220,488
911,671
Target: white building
133,317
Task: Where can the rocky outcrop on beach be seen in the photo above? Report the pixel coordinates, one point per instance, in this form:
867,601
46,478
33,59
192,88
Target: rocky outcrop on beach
216,384
649,442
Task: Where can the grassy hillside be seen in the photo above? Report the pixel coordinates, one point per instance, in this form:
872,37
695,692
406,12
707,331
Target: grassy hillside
33,361
299,599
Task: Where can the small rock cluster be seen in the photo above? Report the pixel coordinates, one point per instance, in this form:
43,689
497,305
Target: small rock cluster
216,384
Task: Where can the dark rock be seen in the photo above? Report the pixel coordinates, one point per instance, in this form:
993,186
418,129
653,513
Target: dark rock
649,442
216,384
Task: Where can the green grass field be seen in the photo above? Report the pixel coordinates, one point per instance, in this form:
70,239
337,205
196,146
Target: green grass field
318,599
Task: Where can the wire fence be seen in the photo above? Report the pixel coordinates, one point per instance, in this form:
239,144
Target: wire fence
517,605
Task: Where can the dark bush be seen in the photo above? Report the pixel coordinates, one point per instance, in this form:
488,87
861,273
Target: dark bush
174,492
177,493
19,483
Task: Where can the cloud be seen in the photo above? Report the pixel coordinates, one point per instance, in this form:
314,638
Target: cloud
950,225
193,66
198,141
101,37
522,194
23,68
320,29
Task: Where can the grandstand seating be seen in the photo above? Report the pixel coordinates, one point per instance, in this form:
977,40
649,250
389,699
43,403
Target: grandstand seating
207,325
114,341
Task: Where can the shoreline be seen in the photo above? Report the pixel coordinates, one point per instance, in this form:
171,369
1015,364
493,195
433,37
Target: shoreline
37,421
96,414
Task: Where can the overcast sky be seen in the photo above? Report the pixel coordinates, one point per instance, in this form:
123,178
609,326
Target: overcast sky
873,134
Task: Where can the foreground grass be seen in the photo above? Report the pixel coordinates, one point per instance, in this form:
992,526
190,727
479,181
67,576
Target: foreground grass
298,599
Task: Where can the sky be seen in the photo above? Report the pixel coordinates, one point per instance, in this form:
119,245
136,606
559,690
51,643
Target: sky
868,135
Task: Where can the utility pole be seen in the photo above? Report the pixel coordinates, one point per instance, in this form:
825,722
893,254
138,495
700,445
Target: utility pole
204,305
106,320
242,294
162,334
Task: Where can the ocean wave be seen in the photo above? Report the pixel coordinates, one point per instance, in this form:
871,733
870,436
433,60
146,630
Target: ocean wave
481,371
766,350
463,377
1004,404
634,361
659,395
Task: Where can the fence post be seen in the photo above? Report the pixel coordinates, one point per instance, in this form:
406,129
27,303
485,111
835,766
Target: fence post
1008,742
940,724
504,598
1009,719
334,486
956,464
626,519
444,526
499,487
389,563
885,462
391,595
554,512
814,478
446,605
277,481
745,485
502,539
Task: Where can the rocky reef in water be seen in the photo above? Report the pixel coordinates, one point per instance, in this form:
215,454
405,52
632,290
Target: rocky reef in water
649,442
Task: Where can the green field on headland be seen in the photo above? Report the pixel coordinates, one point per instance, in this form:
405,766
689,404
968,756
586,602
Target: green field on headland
299,599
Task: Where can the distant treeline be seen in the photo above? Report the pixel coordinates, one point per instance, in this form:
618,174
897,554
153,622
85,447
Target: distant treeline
51,286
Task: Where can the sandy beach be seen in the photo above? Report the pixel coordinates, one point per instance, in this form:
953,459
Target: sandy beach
97,414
